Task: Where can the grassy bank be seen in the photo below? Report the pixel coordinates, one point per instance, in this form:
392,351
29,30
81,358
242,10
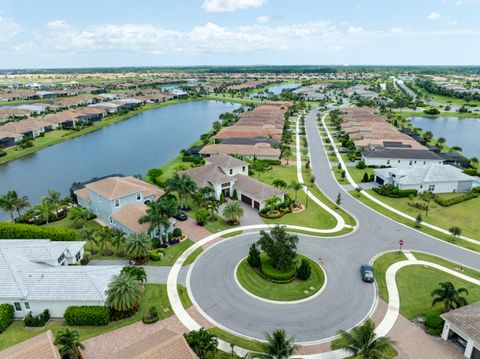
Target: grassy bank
406,114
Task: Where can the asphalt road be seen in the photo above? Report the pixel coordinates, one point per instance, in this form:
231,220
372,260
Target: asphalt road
345,301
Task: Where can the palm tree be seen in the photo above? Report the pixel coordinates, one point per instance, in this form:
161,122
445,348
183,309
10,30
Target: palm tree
138,246
104,239
279,183
362,342
79,216
295,186
183,185
159,212
53,200
449,296
124,293
136,272
20,203
43,210
118,239
286,153
8,202
89,235
202,195
278,346
68,341
202,342
233,211
272,202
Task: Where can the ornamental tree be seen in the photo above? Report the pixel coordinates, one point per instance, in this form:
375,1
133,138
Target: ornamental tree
280,246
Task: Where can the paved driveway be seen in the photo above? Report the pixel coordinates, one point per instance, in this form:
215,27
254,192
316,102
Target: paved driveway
250,215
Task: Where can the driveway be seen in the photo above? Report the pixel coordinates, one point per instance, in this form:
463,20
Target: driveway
250,215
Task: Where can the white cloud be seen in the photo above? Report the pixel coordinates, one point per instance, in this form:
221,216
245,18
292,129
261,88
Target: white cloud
231,5
58,25
355,30
8,29
396,30
434,16
452,22
263,19
467,2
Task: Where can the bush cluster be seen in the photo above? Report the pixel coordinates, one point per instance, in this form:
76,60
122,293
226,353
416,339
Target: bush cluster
445,202
177,232
87,315
253,258
419,205
268,271
6,316
40,320
157,254
305,270
390,190
151,316
434,323
271,162
22,231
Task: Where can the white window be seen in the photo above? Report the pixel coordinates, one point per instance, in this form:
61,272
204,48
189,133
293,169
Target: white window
388,162
431,188
398,161
243,169
112,220
231,171
27,305
425,162
18,306
410,163
99,198
116,203
139,196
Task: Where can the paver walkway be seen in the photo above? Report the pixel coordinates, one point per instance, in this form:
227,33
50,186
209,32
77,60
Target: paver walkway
192,230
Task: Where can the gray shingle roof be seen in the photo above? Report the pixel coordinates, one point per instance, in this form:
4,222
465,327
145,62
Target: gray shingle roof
425,174
225,161
406,154
466,319
255,188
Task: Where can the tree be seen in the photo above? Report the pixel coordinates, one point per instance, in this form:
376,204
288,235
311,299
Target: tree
286,153
280,246
138,246
260,167
278,346
124,293
159,212
456,149
455,231
202,342
89,235
53,200
104,237
253,258
418,221
136,272
118,239
43,210
449,296
233,211
79,216
441,140
295,186
305,270
68,342
20,203
8,202
427,197
272,202
201,216
183,185
154,173
362,342
339,199
279,183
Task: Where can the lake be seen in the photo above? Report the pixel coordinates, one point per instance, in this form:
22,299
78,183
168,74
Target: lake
277,89
132,146
461,132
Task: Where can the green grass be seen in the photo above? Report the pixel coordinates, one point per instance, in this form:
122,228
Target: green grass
238,341
253,282
406,114
231,99
191,258
218,225
314,216
232,234
335,234
357,174
155,295
464,215
416,283
411,224
184,298
380,267
451,265
172,253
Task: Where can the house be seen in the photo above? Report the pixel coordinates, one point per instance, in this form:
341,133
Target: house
435,178
226,174
257,151
9,139
36,275
400,158
118,201
40,346
455,159
464,322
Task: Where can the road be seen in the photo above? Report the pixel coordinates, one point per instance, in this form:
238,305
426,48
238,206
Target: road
345,300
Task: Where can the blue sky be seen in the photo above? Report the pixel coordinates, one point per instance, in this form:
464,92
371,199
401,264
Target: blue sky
87,33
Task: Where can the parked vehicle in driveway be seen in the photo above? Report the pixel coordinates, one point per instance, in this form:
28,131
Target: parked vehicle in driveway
181,216
342,150
367,273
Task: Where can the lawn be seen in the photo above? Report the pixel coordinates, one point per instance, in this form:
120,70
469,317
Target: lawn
407,114
416,283
172,253
184,298
451,265
253,282
357,174
155,295
380,267
238,341
313,216
191,258
464,215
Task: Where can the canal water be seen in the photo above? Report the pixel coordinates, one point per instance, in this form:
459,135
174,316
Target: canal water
463,132
132,146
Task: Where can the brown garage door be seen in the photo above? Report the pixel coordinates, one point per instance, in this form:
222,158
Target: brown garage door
247,200
256,205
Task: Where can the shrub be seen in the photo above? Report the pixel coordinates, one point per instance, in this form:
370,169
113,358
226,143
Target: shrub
471,171
155,256
177,232
365,177
431,111
305,270
361,165
253,258
40,320
390,190
87,315
6,316
434,322
419,205
84,261
151,316
235,195
445,202
187,158
270,162
22,231
173,241
269,272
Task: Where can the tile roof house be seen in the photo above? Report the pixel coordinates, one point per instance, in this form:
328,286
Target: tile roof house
435,178
465,323
400,157
118,201
226,174
260,150
36,275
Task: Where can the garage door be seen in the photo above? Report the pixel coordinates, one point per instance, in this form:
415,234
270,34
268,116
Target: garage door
246,199
379,180
256,205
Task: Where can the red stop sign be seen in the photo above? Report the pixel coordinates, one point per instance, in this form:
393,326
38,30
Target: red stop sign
401,242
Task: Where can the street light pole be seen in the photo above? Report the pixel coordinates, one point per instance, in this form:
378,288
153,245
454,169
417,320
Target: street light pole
232,346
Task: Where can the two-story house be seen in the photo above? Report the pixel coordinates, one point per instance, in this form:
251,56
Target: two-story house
118,201
226,174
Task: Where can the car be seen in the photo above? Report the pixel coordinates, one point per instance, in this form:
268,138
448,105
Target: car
342,150
460,341
181,216
367,273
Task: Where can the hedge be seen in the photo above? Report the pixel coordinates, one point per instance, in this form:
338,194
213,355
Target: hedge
87,315
393,192
40,320
6,316
445,202
270,273
270,162
31,231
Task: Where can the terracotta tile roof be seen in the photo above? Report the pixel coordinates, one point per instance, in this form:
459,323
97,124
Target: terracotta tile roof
83,194
38,347
255,188
246,150
466,319
225,161
116,187
163,344
129,216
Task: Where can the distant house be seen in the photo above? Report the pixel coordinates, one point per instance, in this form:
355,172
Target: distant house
227,174
36,275
455,159
400,158
9,139
118,201
262,151
435,178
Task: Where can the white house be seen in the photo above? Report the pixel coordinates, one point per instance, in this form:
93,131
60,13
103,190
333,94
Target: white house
118,201
36,275
227,174
400,158
435,178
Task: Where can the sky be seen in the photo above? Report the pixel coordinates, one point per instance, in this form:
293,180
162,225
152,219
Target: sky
112,33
